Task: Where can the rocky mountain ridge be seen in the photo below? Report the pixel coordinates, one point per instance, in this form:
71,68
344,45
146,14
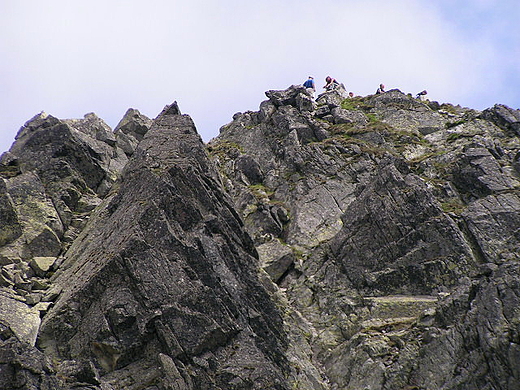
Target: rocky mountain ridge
336,243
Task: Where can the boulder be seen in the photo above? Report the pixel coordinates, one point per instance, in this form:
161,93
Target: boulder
94,127
41,265
134,123
296,96
20,319
504,117
131,130
349,116
332,98
275,258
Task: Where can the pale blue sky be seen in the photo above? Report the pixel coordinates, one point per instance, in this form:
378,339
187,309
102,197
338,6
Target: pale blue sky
217,57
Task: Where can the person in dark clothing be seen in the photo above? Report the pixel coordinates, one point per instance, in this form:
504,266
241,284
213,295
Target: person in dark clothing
421,95
330,84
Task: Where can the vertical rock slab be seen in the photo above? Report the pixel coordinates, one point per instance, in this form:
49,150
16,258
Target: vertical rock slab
10,228
165,279
494,221
396,238
19,319
41,225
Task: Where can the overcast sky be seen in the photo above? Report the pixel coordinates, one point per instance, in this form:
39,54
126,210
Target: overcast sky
218,57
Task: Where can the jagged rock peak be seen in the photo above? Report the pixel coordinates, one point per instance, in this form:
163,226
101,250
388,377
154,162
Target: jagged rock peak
182,277
173,139
133,123
131,130
172,109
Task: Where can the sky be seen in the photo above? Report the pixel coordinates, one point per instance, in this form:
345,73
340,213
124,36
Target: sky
218,57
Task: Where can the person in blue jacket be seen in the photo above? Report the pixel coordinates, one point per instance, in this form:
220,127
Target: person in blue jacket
309,84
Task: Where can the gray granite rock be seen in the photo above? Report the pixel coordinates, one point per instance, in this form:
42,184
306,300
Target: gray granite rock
343,244
183,286
20,319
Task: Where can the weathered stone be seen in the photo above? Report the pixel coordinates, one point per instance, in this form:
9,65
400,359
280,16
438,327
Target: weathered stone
94,127
267,108
347,116
52,294
332,98
41,265
68,158
368,225
505,117
10,228
23,321
250,168
25,367
131,130
389,233
40,284
400,238
134,123
323,111
479,174
35,209
293,96
304,102
5,281
494,222
42,307
32,299
275,258
153,287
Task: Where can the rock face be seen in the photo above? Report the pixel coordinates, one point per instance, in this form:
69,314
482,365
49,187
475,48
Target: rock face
56,173
173,289
342,243
392,226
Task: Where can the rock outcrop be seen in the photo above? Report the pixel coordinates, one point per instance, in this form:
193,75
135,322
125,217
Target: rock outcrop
162,286
392,227
336,243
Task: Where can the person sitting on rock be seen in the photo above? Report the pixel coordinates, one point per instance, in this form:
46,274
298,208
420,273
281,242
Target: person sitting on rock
330,83
351,94
309,84
381,89
421,95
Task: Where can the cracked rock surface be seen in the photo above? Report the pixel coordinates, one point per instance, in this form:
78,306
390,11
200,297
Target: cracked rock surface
336,243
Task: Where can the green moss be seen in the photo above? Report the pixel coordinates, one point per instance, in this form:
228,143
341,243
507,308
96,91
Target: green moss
455,136
356,104
260,191
298,253
454,206
224,148
374,124
426,156
449,125
449,108
372,118
347,129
